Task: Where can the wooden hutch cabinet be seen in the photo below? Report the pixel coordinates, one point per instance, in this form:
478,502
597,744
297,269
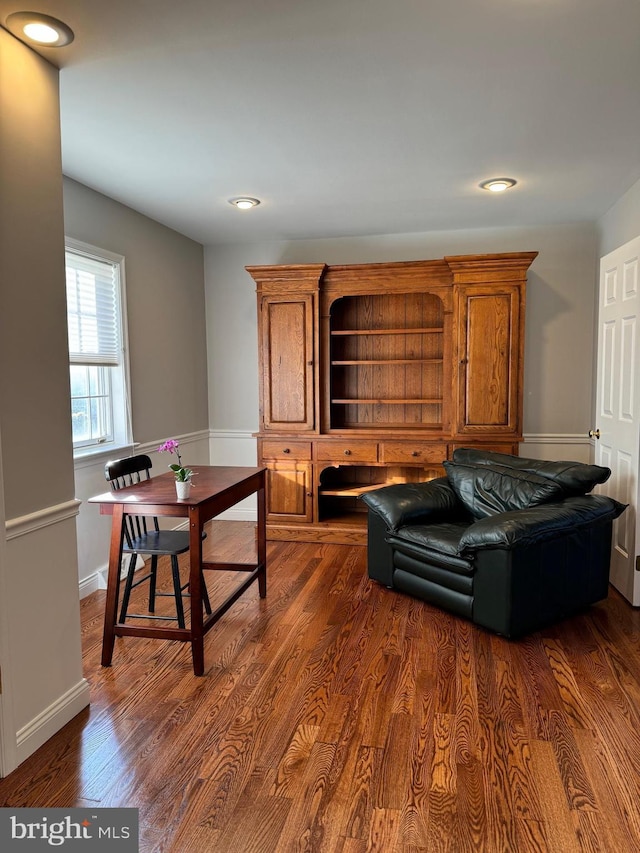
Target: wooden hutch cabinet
373,374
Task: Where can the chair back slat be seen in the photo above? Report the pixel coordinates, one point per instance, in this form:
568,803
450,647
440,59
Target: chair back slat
121,473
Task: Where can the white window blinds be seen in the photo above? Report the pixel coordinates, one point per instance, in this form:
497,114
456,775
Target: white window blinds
92,310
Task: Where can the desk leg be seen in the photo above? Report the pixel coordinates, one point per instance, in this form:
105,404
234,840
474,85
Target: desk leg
111,606
262,540
195,589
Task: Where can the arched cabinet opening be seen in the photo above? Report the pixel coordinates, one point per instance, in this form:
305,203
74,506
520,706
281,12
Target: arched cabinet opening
387,367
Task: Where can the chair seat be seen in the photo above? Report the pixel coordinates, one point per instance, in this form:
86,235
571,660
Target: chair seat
161,543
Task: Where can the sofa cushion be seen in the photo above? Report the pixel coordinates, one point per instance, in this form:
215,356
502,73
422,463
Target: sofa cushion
576,478
485,490
436,544
415,503
539,524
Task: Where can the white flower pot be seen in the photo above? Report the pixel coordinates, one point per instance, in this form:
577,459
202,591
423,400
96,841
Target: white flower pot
183,489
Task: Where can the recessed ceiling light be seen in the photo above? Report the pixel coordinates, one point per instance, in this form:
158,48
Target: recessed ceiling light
40,29
244,202
498,185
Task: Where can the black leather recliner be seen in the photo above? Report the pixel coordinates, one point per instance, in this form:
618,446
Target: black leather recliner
511,543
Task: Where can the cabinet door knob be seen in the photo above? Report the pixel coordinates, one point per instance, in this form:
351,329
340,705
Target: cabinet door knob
286,450
415,453
347,453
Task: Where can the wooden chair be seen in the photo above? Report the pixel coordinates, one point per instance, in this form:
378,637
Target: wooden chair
143,536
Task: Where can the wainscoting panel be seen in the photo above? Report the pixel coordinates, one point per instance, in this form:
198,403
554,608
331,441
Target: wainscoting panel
235,447
556,447
43,621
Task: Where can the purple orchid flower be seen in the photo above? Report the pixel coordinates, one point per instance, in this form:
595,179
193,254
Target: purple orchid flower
182,474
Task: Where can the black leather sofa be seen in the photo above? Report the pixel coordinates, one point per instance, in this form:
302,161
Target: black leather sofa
511,543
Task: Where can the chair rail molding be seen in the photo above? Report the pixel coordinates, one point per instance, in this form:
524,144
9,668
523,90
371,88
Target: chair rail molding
185,439
556,438
25,524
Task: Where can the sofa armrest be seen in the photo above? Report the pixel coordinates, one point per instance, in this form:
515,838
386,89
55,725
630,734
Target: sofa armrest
509,530
414,503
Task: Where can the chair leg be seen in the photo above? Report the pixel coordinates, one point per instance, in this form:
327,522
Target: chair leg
127,587
152,583
178,592
205,594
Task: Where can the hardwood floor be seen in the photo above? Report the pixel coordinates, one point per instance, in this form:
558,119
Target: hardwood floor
339,717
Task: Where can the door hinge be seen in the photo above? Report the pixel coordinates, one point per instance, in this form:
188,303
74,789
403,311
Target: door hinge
637,569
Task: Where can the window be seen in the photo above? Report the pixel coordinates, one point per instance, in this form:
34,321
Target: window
97,353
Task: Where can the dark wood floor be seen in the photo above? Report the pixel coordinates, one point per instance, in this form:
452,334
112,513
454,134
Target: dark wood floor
339,717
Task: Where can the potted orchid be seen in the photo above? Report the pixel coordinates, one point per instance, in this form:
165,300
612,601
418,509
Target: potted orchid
183,475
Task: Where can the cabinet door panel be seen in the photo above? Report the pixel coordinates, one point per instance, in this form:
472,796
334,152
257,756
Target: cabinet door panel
489,363
287,359
289,492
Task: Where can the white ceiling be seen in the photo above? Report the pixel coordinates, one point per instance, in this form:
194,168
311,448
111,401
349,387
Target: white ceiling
350,117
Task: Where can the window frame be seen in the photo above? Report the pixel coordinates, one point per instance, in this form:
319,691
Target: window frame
119,375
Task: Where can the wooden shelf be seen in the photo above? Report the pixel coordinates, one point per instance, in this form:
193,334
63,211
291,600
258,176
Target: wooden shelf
389,361
352,491
361,401
422,331
388,426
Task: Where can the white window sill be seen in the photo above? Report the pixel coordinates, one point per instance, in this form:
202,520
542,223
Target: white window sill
87,457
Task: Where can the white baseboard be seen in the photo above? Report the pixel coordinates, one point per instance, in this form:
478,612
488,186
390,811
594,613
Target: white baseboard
98,580
51,720
91,584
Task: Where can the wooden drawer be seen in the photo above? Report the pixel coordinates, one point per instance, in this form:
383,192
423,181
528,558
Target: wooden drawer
413,451
285,449
346,451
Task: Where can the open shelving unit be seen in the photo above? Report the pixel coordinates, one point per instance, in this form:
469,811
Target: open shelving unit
373,374
386,361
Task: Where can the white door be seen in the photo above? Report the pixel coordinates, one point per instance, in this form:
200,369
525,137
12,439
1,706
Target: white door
618,406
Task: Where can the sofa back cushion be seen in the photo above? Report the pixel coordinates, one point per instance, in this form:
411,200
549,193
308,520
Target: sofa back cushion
485,490
575,478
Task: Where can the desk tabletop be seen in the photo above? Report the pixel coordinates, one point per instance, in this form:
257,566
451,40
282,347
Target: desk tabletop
209,481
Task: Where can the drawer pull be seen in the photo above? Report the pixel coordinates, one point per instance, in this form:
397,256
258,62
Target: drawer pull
347,453
415,453
286,450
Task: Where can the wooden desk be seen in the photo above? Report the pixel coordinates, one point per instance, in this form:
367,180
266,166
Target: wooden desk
214,489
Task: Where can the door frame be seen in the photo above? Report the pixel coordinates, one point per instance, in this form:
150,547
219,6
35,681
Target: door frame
629,491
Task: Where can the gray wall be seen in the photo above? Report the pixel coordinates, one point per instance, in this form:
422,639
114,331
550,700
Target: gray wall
165,307
164,274
40,655
621,223
560,306
35,417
